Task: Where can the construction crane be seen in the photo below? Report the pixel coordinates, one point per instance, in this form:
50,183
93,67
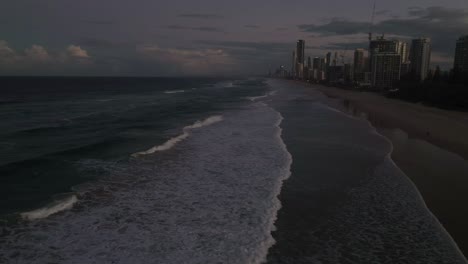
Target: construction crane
371,24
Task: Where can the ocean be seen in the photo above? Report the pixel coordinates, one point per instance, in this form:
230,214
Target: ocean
200,170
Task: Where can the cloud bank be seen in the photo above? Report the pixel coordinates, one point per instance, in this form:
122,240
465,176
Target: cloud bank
37,59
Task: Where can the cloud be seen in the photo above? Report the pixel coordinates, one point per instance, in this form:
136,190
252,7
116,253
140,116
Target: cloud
5,51
206,29
189,61
201,16
38,59
77,52
281,29
37,53
442,24
251,26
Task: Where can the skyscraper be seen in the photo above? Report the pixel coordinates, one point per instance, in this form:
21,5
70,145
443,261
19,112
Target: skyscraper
420,57
300,58
403,51
317,63
386,67
328,59
461,55
385,62
293,64
359,65
383,45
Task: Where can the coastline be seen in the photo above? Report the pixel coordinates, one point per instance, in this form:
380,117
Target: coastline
429,147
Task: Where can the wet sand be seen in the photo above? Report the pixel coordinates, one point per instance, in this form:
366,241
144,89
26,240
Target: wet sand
430,146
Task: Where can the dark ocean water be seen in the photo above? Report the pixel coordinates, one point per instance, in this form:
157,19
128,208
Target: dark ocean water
129,170
52,127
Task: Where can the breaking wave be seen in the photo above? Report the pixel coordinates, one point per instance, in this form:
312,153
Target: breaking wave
52,208
174,91
186,133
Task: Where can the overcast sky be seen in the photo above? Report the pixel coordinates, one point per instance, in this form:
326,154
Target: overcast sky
206,37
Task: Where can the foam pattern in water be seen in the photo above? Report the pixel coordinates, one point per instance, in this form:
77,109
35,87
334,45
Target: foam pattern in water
210,199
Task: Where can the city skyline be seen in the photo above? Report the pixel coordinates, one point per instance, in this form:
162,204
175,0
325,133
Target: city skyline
206,37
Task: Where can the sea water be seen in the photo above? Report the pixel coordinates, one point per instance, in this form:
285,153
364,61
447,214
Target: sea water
196,170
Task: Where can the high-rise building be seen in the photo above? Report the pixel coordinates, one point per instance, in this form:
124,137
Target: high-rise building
293,66
359,65
420,57
317,64
403,51
348,73
461,55
327,65
385,62
309,62
328,59
300,58
384,45
386,67
323,64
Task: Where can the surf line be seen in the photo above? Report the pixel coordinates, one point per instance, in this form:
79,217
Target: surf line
186,133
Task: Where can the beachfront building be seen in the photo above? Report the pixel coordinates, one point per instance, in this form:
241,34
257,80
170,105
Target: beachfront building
461,55
420,57
385,70
317,63
293,65
336,74
402,49
385,62
384,45
300,58
405,68
359,65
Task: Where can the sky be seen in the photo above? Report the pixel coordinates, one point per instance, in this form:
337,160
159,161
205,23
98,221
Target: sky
207,37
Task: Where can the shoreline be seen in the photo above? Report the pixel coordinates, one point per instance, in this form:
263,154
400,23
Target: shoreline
429,148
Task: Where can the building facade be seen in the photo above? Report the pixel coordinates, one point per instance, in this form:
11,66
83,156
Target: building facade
300,58
385,62
386,67
461,55
359,65
420,57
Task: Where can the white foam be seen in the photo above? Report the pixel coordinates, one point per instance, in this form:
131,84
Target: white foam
174,91
255,98
50,209
186,133
216,202
389,166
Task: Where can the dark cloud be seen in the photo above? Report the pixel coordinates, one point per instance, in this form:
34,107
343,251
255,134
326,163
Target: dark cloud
268,47
382,12
281,29
201,16
251,26
206,29
349,46
99,22
441,24
96,43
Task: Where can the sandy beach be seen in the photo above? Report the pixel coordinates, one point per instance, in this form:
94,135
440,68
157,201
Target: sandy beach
430,146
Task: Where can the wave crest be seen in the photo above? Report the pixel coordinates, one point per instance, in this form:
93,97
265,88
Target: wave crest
186,133
50,209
